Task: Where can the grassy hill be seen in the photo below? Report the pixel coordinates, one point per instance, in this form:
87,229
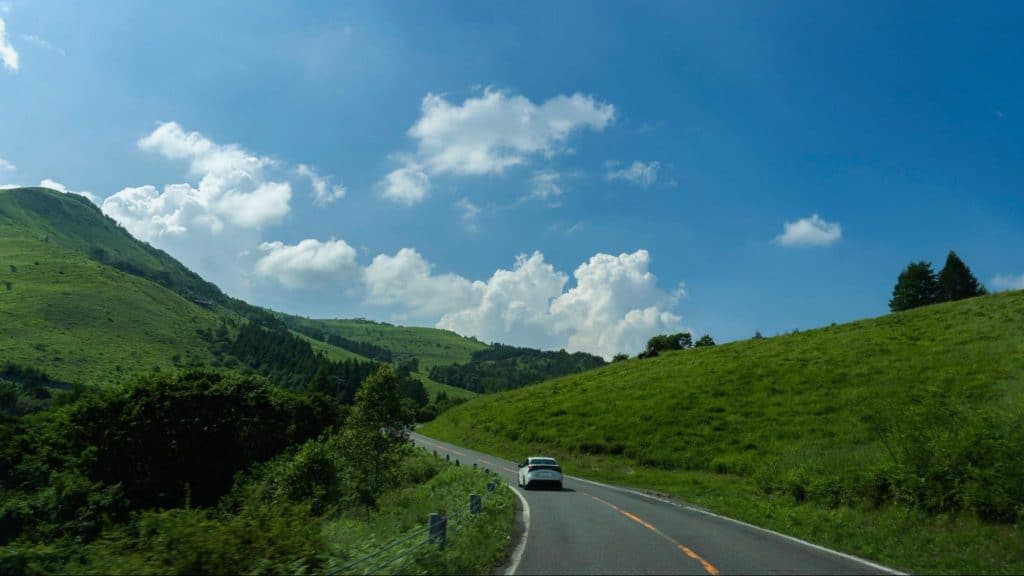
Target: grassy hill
84,301
74,223
76,318
899,438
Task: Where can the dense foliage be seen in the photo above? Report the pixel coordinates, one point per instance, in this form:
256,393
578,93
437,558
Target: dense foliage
276,353
159,442
501,367
217,473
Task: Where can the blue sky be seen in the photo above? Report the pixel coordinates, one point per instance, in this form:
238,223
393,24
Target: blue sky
579,175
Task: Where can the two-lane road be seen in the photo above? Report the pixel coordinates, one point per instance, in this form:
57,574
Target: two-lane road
591,528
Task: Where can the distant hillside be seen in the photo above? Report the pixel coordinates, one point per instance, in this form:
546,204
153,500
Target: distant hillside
500,367
830,433
430,346
85,302
424,347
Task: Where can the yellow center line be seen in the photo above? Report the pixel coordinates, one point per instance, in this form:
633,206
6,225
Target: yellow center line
708,567
507,469
487,462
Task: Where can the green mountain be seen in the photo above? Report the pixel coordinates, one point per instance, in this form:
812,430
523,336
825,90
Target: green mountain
67,305
900,437
85,302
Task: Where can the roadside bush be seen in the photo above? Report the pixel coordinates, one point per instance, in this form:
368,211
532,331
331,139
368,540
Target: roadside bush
950,457
262,539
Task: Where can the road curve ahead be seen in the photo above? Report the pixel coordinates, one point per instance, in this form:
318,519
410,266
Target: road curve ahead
591,528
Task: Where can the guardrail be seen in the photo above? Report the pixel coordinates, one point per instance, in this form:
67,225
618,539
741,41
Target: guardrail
402,552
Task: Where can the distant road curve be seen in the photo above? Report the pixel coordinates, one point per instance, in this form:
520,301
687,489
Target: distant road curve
593,528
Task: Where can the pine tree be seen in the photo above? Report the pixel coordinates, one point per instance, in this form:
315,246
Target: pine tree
956,281
916,286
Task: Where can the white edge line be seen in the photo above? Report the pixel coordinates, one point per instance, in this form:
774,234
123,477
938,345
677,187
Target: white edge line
517,554
799,541
742,523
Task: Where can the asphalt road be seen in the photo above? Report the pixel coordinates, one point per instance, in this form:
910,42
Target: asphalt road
591,528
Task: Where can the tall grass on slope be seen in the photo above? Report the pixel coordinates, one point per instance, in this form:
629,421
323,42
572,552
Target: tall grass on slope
893,437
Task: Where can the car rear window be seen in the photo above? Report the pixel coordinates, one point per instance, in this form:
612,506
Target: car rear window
549,461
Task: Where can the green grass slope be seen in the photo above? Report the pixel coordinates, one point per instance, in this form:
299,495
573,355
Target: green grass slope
74,223
84,322
432,346
899,438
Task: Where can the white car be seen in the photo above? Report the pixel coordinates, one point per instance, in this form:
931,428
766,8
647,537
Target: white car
539,470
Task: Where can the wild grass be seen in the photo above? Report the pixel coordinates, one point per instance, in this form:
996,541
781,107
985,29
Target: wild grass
897,438
83,322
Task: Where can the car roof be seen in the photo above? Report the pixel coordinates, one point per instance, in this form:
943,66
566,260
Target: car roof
541,458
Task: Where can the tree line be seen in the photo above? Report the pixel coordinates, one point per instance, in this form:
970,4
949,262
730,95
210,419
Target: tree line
666,342
919,285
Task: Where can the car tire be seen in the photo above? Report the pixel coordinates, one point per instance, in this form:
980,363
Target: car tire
559,486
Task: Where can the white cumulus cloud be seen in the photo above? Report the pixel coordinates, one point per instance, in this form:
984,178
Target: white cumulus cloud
488,134
323,191
639,173
308,264
811,231
232,189
406,281
408,185
615,306
1008,282
6,165
8,54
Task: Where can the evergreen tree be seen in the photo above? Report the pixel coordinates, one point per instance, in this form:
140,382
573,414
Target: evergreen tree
956,281
916,286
